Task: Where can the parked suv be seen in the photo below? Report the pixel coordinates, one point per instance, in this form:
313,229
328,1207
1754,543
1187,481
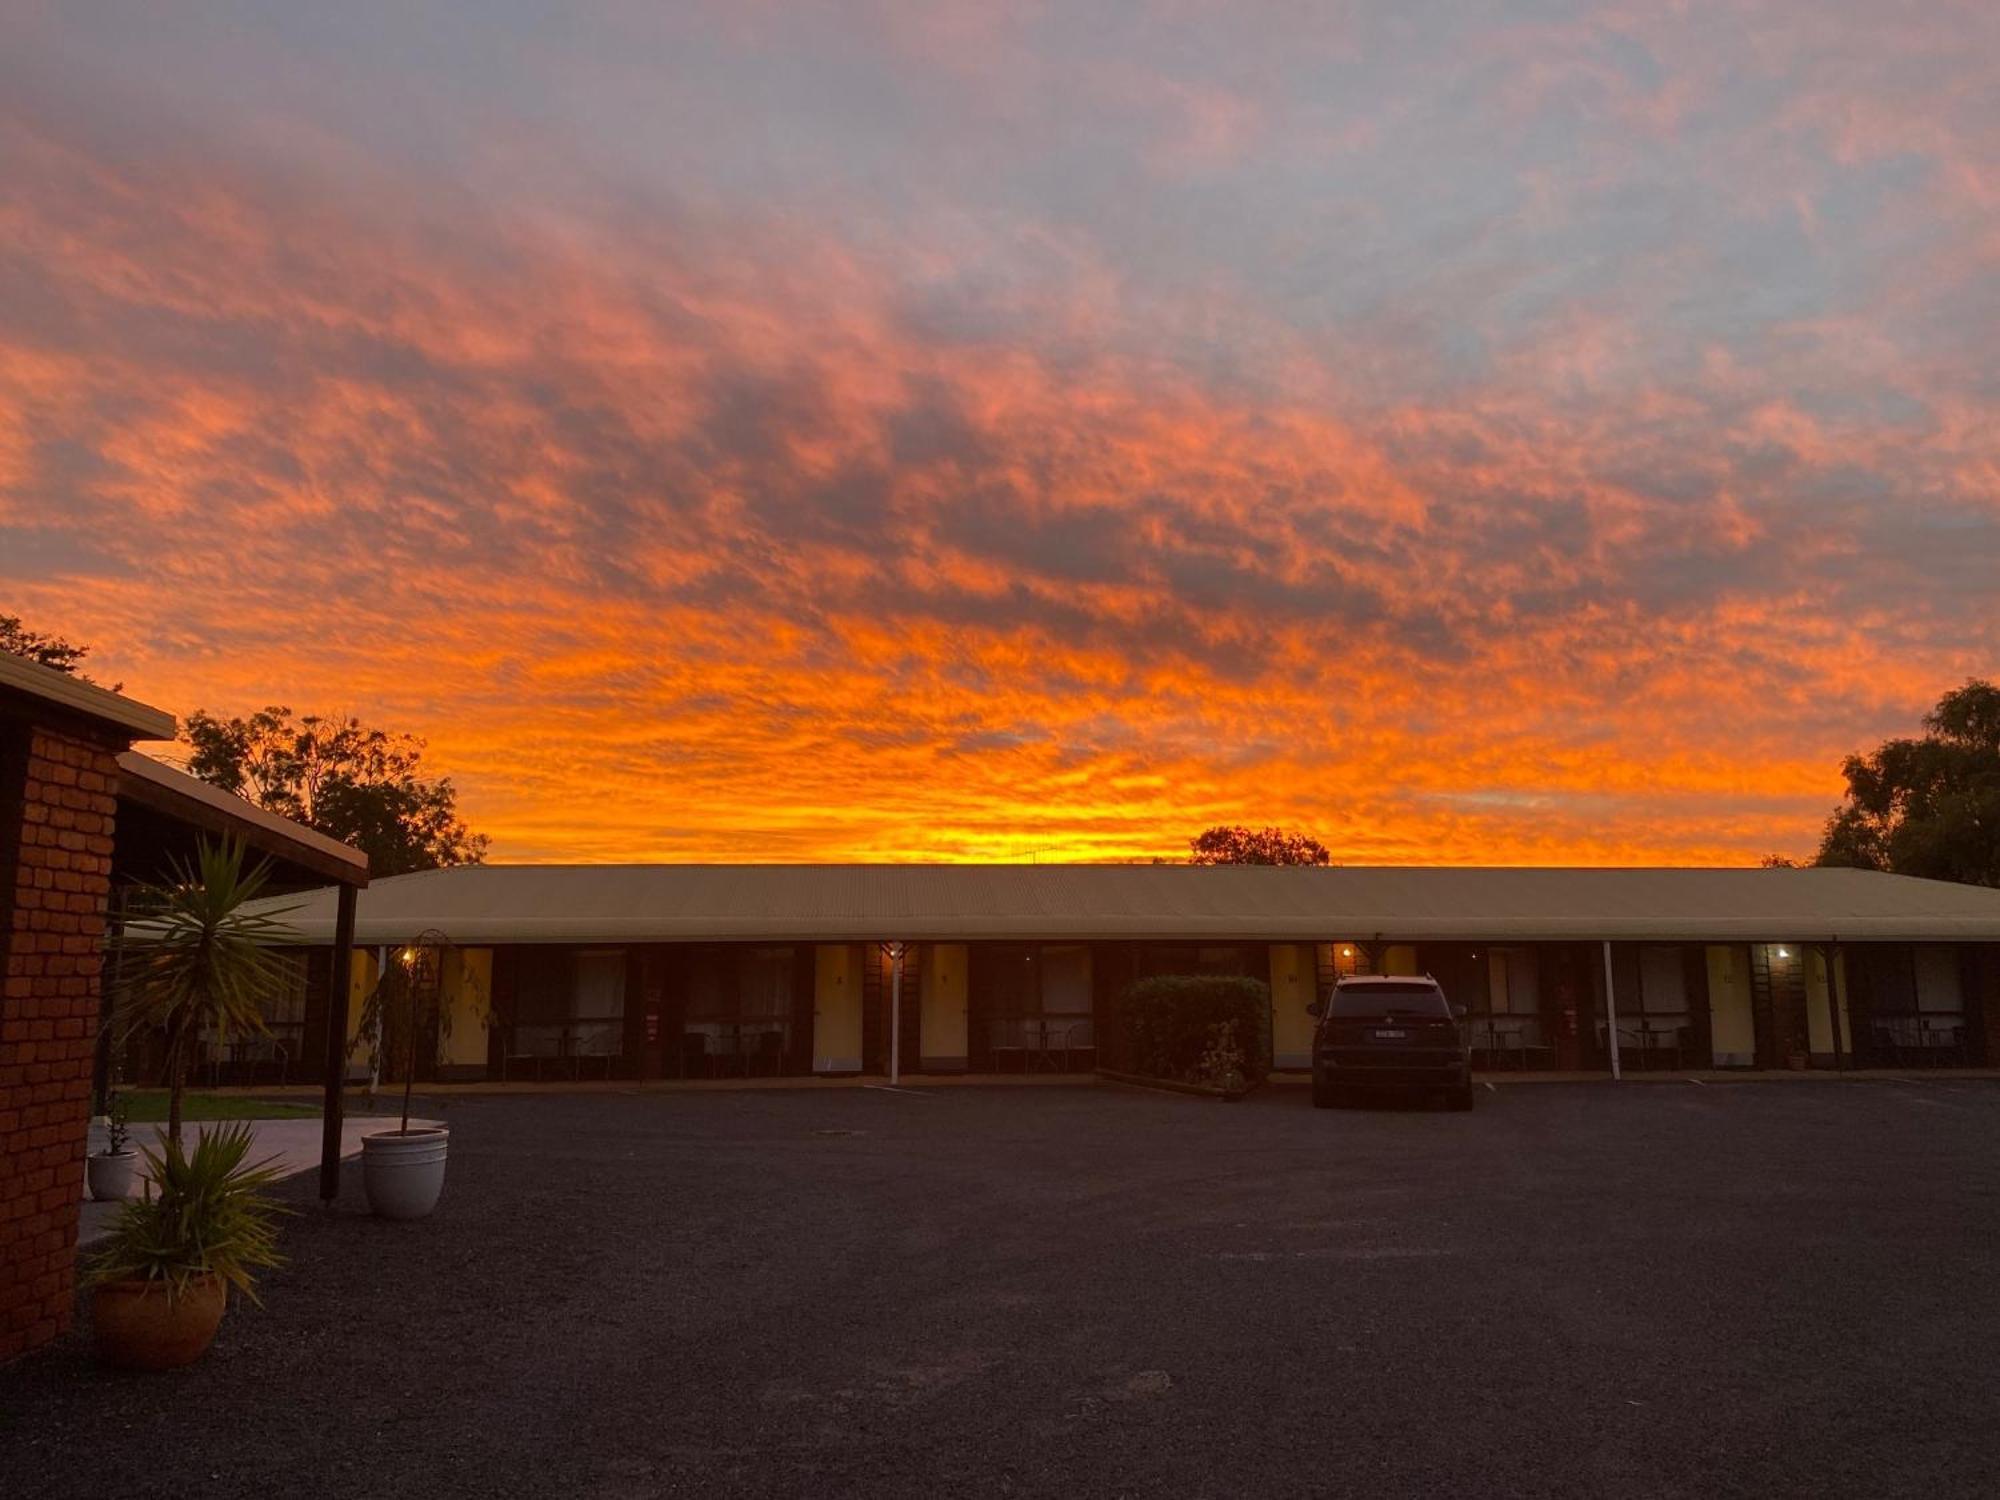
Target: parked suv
1381,1032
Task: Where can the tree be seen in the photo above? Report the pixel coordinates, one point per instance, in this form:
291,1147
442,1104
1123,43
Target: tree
192,960
1229,844
50,650
362,786
1928,806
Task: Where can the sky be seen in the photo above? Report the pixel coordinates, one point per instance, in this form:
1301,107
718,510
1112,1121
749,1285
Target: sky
1521,432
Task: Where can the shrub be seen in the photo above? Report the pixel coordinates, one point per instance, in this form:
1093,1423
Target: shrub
1196,1027
206,1214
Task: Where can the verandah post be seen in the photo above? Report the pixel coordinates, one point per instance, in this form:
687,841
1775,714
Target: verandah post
339,982
1611,1013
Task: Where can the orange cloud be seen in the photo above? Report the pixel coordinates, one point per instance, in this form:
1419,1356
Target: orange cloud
683,531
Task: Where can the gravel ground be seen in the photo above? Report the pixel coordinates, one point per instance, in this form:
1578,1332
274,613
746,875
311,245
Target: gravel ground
1659,1289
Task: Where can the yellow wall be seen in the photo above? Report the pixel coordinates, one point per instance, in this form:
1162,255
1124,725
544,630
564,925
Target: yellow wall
1819,1025
1401,959
943,1038
837,1008
360,984
467,981
1292,988
1732,1022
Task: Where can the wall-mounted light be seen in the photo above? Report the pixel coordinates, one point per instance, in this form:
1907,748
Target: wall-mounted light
1784,953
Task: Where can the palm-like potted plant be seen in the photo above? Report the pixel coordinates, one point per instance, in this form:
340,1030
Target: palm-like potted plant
194,961
402,1170
161,1282
111,1170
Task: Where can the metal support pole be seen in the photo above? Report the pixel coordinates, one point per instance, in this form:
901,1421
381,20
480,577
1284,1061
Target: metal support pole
375,1032
1831,956
1611,1014
339,982
896,1014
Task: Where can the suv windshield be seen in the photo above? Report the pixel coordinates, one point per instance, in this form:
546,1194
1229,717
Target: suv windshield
1413,999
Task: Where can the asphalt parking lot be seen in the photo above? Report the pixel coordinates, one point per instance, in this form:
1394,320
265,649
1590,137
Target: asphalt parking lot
1651,1289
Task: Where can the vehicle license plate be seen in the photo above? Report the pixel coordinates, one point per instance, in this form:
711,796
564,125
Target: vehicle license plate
1390,1035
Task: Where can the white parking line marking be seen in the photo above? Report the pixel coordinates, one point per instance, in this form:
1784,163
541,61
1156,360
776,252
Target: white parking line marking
1697,1083
1491,1090
883,1088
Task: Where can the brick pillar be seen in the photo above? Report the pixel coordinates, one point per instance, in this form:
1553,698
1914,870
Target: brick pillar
58,805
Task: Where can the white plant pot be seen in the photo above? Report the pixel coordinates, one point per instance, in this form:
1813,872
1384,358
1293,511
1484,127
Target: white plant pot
403,1171
110,1174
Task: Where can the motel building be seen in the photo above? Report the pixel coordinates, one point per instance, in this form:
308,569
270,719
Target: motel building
731,971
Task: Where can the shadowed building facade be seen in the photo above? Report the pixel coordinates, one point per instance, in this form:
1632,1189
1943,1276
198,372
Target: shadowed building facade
709,971
82,818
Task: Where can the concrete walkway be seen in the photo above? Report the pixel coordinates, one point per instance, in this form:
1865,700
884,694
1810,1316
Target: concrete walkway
295,1143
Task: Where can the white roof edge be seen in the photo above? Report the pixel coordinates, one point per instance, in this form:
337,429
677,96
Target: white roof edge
179,782
587,904
71,693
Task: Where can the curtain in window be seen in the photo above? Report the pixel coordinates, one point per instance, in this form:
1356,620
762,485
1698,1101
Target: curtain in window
1938,981
597,1003
1662,982
1066,982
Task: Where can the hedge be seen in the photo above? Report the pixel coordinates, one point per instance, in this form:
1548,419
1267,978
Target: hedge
1195,1028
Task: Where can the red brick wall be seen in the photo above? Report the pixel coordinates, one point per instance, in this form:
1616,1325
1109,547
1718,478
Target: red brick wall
58,803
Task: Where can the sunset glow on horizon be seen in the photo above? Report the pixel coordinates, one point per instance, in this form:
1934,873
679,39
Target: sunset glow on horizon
1514,433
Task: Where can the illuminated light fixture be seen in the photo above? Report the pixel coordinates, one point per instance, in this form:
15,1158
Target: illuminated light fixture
1784,953
1347,953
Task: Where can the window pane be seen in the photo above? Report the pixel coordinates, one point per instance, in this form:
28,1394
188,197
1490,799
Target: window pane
765,984
1010,981
1066,981
1524,982
541,986
1663,982
1938,980
599,993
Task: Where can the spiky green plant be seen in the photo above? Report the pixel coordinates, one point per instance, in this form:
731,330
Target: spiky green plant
192,959
204,1214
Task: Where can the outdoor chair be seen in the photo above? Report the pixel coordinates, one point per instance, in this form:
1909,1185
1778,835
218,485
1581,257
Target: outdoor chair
1078,1038
1942,1043
1506,1039
1897,1037
768,1055
1009,1049
725,1057
1663,1038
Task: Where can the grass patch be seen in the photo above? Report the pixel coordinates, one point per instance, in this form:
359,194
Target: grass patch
149,1107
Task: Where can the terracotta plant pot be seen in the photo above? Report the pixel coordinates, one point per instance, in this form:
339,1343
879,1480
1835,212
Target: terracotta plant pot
111,1174
140,1327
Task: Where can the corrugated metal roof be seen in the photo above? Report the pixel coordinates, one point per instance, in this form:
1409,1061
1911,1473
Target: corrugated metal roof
279,835
70,693
841,903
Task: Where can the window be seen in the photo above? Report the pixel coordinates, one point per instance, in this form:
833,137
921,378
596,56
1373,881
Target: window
1938,981
597,1003
1066,982
1037,996
1417,998
1514,982
569,1004
1662,982
541,1001
284,1013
